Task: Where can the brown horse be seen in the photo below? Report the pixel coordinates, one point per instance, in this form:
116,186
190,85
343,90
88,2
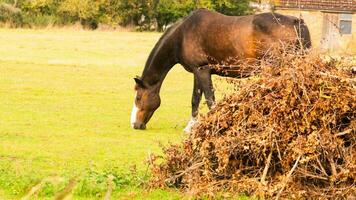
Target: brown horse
204,38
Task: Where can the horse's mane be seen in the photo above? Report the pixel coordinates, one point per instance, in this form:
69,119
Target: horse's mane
166,35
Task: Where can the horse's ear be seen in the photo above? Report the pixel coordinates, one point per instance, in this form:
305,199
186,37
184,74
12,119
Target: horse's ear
139,82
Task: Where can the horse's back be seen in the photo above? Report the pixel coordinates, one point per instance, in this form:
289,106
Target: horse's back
272,28
214,35
210,35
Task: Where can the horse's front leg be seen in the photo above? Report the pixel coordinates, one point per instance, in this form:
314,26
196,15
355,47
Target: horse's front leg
202,84
196,98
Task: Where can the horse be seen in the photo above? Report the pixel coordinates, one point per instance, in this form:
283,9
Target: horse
204,38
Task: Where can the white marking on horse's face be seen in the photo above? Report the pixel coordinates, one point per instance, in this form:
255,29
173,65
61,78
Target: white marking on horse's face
134,113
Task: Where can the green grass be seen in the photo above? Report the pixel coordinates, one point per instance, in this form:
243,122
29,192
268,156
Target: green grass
65,102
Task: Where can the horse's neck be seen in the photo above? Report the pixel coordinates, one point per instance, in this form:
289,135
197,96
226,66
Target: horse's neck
160,61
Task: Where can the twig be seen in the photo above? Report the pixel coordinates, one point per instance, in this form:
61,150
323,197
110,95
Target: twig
299,37
321,166
35,189
265,171
350,80
334,24
110,187
65,194
348,131
305,173
288,177
279,152
277,19
333,167
180,174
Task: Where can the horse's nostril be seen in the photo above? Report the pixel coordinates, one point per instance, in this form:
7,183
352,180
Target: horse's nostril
143,127
140,126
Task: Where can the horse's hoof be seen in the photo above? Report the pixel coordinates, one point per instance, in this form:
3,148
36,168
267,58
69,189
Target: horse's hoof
187,130
191,123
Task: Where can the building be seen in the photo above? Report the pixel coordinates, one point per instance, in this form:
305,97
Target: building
332,23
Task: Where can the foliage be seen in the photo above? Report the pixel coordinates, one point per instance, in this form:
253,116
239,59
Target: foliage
10,16
288,134
146,14
232,7
85,11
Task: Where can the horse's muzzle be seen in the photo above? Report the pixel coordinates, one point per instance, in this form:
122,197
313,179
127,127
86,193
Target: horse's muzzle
139,126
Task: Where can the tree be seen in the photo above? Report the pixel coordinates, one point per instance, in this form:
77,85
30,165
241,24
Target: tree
232,7
145,14
170,11
86,11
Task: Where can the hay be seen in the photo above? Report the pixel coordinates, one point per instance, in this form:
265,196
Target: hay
288,134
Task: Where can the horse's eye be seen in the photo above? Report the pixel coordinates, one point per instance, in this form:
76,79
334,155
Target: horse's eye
138,98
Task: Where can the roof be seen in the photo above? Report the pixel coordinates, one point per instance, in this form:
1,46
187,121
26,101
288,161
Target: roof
327,5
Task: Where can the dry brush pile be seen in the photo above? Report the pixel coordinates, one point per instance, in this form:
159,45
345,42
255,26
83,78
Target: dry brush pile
288,134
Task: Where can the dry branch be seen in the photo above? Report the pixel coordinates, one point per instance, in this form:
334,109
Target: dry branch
265,171
67,191
110,187
288,177
309,103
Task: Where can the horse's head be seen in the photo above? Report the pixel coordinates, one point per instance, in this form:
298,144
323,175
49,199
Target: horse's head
146,102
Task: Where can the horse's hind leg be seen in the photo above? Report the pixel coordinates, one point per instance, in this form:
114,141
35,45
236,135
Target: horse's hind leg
196,98
204,79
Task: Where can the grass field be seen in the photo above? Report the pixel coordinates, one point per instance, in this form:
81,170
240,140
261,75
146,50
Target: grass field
65,102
